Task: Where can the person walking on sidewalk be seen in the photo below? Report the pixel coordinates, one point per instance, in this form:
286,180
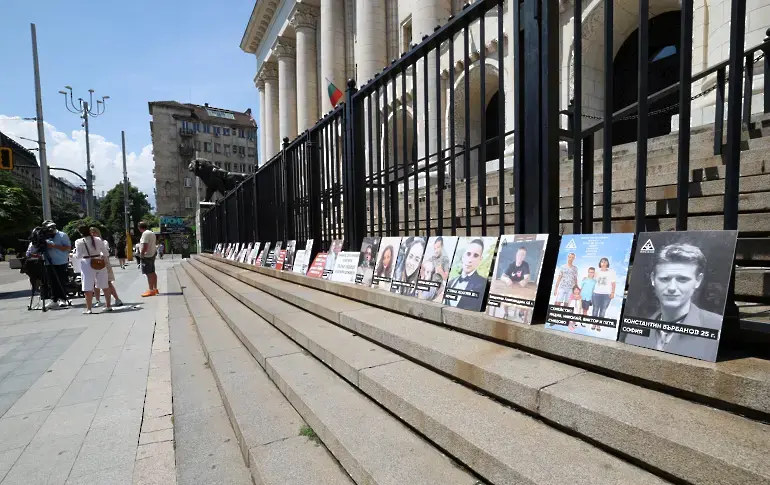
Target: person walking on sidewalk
110,274
90,251
148,251
120,251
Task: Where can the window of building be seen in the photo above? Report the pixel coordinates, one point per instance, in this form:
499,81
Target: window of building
187,182
206,128
185,125
217,148
227,150
406,35
250,152
197,145
218,164
188,203
242,150
226,131
197,127
207,146
228,166
242,133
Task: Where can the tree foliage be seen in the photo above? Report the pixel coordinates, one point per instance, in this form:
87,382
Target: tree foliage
71,229
20,208
112,212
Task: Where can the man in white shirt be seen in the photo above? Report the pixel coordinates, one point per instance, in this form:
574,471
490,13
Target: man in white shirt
148,251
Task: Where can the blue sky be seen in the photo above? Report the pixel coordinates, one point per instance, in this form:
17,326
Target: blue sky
135,52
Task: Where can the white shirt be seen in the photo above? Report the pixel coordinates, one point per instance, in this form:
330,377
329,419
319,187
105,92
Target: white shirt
459,286
84,248
148,237
604,281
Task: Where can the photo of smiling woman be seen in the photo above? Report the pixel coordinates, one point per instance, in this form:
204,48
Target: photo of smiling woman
386,263
678,291
407,266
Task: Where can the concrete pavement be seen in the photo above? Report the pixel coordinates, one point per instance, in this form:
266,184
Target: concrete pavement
86,399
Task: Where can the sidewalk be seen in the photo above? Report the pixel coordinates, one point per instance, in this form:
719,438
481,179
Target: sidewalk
86,399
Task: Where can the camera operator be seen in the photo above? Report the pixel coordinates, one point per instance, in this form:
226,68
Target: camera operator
57,252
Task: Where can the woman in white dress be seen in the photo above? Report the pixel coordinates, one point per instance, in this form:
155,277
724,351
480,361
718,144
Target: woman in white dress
90,248
110,274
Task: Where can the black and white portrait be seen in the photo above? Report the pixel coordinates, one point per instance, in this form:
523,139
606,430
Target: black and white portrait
678,291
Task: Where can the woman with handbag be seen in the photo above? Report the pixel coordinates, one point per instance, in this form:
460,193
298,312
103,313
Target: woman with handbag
110,274
93,269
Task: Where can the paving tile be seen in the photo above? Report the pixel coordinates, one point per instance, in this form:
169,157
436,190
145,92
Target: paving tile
34,366
69,420
7,459
18,355
155,464
155,424
106,354
156,436
119,475
7,400
106,447
207,451
131,384
16,383
45,462
16,431
7,368
119,409
82,391
63,340
36,400
52,351
92,371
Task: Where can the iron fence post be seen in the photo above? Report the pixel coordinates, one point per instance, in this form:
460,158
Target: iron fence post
314,157
288,191
354,179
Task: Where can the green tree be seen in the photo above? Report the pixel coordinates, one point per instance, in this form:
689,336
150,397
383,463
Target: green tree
63,214
71,229
20,208
111,209
151,219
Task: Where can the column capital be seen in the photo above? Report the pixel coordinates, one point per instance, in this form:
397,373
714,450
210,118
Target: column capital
304,17
285,47
267,72
259,83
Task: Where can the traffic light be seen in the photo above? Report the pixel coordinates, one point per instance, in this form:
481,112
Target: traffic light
6,158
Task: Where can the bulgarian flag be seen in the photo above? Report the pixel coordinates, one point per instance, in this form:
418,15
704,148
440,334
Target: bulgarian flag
334,93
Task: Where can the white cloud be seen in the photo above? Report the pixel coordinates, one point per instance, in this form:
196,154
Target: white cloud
69,151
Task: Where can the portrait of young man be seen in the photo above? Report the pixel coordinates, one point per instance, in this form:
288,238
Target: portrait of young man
685,284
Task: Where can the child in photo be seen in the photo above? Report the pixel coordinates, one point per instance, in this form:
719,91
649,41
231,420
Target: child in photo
576,302
587,289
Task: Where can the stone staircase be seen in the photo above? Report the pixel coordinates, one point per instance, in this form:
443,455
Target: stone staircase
391,391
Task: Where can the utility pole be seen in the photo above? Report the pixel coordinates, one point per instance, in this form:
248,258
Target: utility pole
40,130
89,174
126,205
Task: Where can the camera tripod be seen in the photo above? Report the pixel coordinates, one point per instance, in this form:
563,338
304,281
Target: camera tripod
44,284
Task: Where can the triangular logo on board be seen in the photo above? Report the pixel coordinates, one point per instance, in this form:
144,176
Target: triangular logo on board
571,244
647,247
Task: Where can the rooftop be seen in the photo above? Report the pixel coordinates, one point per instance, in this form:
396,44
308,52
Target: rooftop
208,113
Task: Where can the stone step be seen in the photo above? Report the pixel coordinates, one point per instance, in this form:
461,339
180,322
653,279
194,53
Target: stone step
428,401
267,427
740,383
372,446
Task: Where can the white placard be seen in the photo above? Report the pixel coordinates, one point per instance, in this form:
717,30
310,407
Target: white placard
345,267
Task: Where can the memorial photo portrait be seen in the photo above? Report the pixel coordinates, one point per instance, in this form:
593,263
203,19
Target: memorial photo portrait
516,276
408,263
386,262
366,260
678,292
589,283
435,268
471,266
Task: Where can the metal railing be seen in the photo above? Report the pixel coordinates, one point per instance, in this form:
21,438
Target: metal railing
418,149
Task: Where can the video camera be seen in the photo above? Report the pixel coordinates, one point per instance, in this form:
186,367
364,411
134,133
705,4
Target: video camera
40,236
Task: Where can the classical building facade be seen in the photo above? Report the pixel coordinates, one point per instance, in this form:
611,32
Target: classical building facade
179,131
301,46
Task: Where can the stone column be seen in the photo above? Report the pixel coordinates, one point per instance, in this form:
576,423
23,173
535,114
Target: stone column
332,47
269,75
286,52
260,83
371,42
427,14
304,22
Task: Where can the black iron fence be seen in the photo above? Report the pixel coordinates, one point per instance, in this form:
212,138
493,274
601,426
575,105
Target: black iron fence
428,146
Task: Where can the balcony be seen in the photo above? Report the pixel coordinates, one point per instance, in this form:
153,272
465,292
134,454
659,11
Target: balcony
186,150
186,132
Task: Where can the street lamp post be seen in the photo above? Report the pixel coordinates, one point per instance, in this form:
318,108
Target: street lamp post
85,109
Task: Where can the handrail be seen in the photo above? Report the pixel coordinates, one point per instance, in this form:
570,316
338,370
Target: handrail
632,108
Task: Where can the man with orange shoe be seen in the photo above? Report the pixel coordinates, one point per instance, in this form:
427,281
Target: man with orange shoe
148,251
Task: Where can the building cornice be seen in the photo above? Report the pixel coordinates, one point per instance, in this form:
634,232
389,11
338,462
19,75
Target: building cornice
259,22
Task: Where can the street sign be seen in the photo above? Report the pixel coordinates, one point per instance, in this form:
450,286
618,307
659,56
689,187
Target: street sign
6,158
